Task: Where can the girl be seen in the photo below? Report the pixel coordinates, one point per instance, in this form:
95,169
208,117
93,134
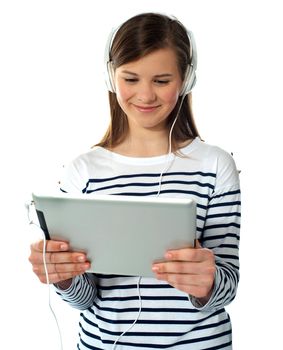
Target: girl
151,62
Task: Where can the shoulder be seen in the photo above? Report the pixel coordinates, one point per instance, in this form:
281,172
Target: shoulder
75,174
208,151
87,158
220,161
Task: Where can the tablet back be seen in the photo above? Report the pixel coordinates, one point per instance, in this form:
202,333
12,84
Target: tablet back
121,234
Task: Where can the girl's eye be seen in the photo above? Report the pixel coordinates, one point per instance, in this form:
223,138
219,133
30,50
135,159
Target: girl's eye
135,80
130,80
162,82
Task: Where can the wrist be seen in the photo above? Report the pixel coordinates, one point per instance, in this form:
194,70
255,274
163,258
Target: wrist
204,300
63,285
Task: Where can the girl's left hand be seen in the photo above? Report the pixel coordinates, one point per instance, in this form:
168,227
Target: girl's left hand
190,270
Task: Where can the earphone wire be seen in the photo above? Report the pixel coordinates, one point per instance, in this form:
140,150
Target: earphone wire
137,317
168,163
31,222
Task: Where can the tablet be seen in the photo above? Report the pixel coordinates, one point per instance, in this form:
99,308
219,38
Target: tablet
121,235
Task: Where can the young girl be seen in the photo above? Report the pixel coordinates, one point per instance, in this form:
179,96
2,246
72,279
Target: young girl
152,147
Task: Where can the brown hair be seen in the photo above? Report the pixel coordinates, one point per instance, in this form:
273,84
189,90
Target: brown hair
137,37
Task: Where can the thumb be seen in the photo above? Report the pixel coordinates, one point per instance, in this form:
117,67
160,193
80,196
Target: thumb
197,244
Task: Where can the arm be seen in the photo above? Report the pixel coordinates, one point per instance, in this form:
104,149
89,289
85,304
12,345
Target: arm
221,235
66,270
81,292
210,272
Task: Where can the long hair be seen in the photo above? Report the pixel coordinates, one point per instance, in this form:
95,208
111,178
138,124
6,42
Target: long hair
137,37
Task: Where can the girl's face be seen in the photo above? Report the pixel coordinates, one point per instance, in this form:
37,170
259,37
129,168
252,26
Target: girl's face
147,89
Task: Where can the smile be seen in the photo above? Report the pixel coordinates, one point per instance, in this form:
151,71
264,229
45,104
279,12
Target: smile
146,109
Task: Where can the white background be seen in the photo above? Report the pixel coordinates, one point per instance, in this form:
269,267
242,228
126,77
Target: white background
53,106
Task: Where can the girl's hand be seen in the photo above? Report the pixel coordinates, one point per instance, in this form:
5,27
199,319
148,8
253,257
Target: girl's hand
62,264
190,270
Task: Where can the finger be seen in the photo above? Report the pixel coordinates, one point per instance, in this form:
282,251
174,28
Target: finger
51,246
197,244
68,257
189,280
196,291
55,277
57,257
176,279
61,268
178,267
190,254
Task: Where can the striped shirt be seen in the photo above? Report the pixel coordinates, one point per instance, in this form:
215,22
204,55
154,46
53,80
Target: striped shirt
169,318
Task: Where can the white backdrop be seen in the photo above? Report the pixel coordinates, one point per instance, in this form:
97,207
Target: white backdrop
53,105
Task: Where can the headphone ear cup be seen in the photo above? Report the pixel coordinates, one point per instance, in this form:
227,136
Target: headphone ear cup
109,77
189,81
190,76
109,69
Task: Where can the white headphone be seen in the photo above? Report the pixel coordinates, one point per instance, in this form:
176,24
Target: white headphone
190,75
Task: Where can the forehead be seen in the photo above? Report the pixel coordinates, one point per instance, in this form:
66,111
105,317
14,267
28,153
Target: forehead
160,60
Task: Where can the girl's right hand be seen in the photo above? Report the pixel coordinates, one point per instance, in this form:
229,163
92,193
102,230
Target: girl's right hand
62,264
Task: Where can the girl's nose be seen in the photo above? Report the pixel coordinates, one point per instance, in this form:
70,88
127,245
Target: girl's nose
146,93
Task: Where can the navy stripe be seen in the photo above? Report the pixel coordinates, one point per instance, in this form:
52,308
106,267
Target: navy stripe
152,175
61,189
221,346
235,268
87,345
135,297
145,309
228,256
134,286
223,215
223,204
221,237
153,321
232,246
152,184
154,193
128,176
171,345
229,224
212,325
230,193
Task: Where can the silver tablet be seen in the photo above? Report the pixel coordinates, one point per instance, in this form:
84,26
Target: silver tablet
121,234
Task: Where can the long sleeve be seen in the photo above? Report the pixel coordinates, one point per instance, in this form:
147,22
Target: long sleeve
221,233
81,293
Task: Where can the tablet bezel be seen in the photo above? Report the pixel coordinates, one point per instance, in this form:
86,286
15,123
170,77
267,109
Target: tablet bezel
109,227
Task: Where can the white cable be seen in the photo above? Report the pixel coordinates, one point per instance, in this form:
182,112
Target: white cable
46,272
135,321
167,166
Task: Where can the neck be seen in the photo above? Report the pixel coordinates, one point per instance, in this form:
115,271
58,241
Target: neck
139,145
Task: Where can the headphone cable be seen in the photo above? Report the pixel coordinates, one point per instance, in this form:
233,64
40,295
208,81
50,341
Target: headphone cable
31,222
167,166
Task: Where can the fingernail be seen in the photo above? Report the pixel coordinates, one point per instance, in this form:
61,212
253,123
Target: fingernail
85,266
81,258
64,247
155,268
168,255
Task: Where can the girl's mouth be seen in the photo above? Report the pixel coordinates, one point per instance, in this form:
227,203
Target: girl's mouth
146,109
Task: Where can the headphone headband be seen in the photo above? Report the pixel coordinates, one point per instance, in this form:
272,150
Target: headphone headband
190,74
